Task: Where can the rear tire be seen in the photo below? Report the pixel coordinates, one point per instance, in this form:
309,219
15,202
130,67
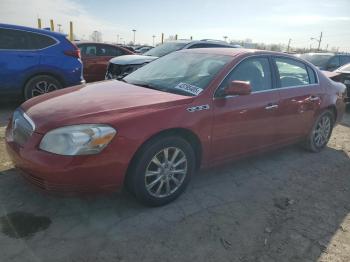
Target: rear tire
161,170
39,85
321,132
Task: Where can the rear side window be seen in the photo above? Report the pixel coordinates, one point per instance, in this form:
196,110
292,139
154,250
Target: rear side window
22,40
293,73
106,50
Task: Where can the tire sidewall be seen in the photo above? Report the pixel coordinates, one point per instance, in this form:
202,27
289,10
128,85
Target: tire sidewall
148,152
32,82
313,147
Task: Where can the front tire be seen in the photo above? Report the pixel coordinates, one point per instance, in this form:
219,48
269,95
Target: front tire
321,132
39,85
162,170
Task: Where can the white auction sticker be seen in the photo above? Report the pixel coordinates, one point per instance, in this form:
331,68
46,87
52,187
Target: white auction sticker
195,90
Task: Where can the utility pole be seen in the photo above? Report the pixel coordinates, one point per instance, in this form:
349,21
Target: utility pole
290,40
117,39
318,40
327,47
134,30
153,36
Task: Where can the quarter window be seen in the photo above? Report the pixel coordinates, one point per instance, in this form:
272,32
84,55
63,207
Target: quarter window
293,73
255,70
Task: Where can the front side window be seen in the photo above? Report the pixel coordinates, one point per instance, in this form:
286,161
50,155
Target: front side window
255,70
180,72
291,72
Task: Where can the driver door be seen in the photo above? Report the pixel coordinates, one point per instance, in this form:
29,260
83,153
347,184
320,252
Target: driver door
247,123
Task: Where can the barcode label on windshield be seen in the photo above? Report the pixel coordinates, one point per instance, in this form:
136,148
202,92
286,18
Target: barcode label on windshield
195,90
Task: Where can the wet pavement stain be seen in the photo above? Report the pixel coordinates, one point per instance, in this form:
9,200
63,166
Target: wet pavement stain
22,224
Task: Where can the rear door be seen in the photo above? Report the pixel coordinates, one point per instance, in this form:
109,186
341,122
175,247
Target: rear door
300,97
243,124
90,60
95,59
18,59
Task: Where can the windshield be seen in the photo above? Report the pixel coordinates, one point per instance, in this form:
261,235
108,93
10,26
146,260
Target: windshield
181,73
317,60
165,49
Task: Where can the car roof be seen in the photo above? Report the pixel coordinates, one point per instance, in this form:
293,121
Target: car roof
31,29
91,42
233,51
188,41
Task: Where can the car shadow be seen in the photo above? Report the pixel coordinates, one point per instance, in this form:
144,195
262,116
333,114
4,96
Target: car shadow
282,206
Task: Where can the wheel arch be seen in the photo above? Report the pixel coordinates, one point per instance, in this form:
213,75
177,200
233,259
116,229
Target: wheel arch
184,133
333,109
54,75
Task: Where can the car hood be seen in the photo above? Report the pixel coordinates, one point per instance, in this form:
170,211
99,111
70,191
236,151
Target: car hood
132,59
102,102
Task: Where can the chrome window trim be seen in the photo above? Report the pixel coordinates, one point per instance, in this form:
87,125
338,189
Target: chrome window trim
272,89
30,121
31,50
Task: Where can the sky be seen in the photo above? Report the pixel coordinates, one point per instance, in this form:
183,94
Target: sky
266,21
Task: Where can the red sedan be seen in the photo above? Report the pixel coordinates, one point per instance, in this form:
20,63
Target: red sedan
95,58
190,109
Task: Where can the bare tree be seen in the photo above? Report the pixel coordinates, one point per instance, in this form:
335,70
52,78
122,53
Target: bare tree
96,36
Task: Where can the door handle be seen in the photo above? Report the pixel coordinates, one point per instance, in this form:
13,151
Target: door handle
271,106
313,98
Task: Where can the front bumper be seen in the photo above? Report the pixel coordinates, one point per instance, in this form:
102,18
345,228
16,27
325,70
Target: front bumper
66,174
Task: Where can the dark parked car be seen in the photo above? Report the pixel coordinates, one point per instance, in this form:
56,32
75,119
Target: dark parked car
121,66
143,49
35,61
326,61
189,109
95,57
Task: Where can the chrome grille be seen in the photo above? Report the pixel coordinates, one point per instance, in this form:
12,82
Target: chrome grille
22,127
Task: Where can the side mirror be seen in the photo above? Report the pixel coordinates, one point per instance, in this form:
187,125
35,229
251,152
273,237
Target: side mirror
238,88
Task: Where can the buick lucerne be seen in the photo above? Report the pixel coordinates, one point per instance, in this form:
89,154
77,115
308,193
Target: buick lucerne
191,109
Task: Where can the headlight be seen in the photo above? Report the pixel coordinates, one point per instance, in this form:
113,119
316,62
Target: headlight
77,139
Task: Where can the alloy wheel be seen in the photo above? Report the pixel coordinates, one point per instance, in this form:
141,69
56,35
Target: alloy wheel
43,87
166,172
322,131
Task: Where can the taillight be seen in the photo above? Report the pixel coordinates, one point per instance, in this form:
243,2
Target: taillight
74,53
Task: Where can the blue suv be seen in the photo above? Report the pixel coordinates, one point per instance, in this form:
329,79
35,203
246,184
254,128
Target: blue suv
35,61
